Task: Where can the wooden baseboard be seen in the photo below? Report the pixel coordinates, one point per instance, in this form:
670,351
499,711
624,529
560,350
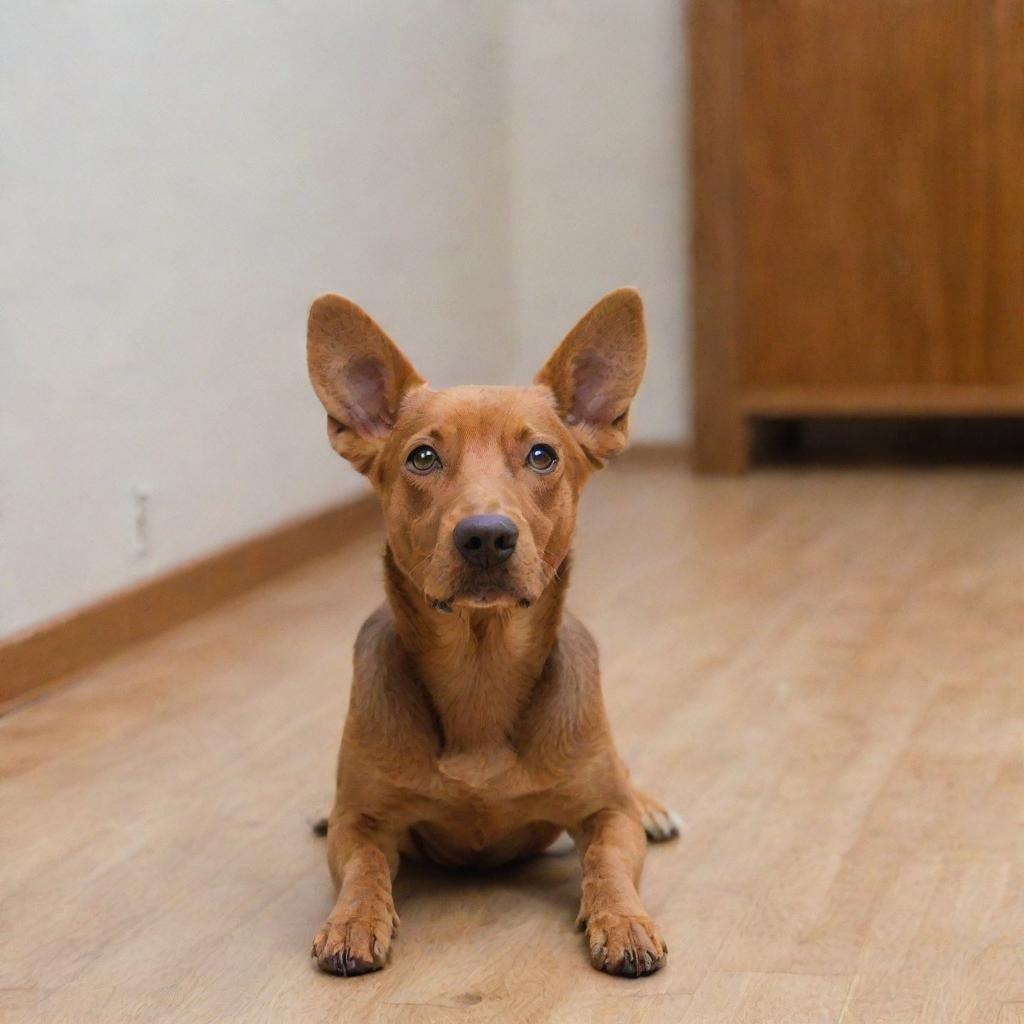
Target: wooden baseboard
48,653
908,400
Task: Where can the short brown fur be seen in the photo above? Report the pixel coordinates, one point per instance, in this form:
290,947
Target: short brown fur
476,729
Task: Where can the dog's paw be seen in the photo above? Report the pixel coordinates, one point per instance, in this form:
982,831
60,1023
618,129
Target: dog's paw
356,944
659,822
628,945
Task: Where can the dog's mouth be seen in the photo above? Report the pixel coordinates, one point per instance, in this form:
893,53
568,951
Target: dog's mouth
483,594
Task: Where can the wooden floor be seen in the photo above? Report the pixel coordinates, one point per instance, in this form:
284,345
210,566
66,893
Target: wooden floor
821,670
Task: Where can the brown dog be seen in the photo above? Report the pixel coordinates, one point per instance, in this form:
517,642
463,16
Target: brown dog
476,730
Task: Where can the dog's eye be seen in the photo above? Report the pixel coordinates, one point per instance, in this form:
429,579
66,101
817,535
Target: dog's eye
542,458
423,459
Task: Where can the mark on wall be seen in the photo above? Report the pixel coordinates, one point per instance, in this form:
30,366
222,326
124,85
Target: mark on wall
140,502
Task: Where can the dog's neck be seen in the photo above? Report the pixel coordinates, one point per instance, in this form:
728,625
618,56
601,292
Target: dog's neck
478,665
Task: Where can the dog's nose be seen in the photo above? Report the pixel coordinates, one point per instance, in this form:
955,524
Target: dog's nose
484,541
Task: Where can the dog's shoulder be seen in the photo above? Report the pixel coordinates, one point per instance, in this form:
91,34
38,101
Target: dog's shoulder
376,637
577,649
384,686
567,708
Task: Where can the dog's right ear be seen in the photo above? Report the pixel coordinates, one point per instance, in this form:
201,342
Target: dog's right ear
360,376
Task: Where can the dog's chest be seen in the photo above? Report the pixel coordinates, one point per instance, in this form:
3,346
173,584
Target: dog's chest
481,809
472,834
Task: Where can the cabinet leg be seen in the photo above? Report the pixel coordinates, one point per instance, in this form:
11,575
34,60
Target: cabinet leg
722,444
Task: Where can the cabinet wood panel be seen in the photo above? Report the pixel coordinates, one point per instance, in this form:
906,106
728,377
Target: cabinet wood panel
869,158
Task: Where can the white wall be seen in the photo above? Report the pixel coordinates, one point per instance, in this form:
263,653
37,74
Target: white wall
180,179
598,190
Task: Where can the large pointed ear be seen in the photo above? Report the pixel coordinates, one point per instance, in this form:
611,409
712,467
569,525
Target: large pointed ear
596,371
359,374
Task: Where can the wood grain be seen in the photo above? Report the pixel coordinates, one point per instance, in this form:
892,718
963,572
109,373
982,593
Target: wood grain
46,654
898,400
867,173
876,205
821,672
720,430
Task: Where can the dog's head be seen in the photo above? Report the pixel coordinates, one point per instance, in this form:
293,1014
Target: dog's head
479,485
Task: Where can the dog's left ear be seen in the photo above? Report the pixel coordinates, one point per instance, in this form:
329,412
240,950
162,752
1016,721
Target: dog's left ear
596,371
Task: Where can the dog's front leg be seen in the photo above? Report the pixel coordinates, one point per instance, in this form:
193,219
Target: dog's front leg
622,938
357,936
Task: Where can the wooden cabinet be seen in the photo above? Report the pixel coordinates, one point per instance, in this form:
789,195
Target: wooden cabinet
858,188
